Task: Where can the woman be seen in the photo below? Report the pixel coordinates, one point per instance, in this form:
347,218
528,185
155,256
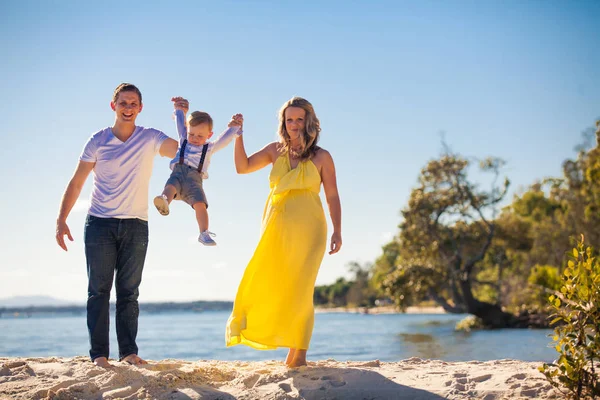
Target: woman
274,303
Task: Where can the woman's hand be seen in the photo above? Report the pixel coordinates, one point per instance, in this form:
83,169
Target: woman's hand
336,243
236,120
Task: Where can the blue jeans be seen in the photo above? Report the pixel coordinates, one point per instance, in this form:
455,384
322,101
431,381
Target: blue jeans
113,244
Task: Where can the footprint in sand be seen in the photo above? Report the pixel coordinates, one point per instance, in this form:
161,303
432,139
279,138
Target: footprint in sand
14,364
490,396
334,381
122,392
162,366
91,373
482,378
69,390
375,363
519,377
251,380
533,391
16,371
285,387
62,385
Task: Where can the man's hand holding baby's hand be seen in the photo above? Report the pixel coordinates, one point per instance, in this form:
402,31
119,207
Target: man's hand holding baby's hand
181,104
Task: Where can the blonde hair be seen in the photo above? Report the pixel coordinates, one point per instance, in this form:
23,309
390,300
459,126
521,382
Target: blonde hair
200,117
312,128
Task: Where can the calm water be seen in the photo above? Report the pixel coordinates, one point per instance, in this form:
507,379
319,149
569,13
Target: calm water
339,336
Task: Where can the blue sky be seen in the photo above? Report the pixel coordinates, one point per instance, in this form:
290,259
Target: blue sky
513,79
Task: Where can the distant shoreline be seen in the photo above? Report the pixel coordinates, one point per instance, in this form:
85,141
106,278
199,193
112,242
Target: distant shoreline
380,310
204,306
193,306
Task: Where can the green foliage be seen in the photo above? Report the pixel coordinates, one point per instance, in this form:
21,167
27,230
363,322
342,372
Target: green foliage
469,323
384,266
577,338
359,292
362,292
443,248
453,247
485,287
535,205
543,279
321,295
332,295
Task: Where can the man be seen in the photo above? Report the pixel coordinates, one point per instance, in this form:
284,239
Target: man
116,228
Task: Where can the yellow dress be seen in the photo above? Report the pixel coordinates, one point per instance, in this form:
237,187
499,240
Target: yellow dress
274,302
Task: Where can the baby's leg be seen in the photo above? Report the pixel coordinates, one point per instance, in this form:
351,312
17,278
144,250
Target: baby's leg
201,215
202,218
162,202
169,192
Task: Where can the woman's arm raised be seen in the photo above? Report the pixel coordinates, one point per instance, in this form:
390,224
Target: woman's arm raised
258,160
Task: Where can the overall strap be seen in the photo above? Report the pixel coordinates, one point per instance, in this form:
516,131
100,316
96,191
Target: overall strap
204,148
182,151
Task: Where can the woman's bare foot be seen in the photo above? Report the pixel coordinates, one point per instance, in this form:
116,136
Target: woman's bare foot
102,362
290,356
134,359
298,360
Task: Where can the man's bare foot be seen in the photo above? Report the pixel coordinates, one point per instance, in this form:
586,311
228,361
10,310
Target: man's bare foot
102,362
134,359
290,356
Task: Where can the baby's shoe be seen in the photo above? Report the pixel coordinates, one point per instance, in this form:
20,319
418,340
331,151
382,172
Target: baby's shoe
206,239
161,204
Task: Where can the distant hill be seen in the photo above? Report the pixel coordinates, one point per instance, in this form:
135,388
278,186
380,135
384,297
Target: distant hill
35,301
44,304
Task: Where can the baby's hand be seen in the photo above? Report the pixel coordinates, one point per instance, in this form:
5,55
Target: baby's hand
236,120
181,104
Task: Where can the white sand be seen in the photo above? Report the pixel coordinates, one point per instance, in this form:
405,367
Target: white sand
78,378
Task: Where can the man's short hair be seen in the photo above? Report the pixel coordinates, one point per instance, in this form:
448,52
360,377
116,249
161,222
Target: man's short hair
126,87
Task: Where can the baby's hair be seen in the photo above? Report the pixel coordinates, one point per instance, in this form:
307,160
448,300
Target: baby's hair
200,117
126,87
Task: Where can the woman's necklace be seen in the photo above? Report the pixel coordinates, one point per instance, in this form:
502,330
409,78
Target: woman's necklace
295,152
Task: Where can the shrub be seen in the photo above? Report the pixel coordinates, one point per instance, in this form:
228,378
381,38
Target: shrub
542,279
577,336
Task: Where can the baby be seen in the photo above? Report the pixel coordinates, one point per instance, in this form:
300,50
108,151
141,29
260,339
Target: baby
190,167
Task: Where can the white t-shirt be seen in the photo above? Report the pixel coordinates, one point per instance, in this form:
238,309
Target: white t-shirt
122,172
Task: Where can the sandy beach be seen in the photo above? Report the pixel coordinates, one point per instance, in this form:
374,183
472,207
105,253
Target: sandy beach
78,378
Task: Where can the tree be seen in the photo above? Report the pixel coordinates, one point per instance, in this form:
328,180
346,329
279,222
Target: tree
447,230
361,292
555,210
338,292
